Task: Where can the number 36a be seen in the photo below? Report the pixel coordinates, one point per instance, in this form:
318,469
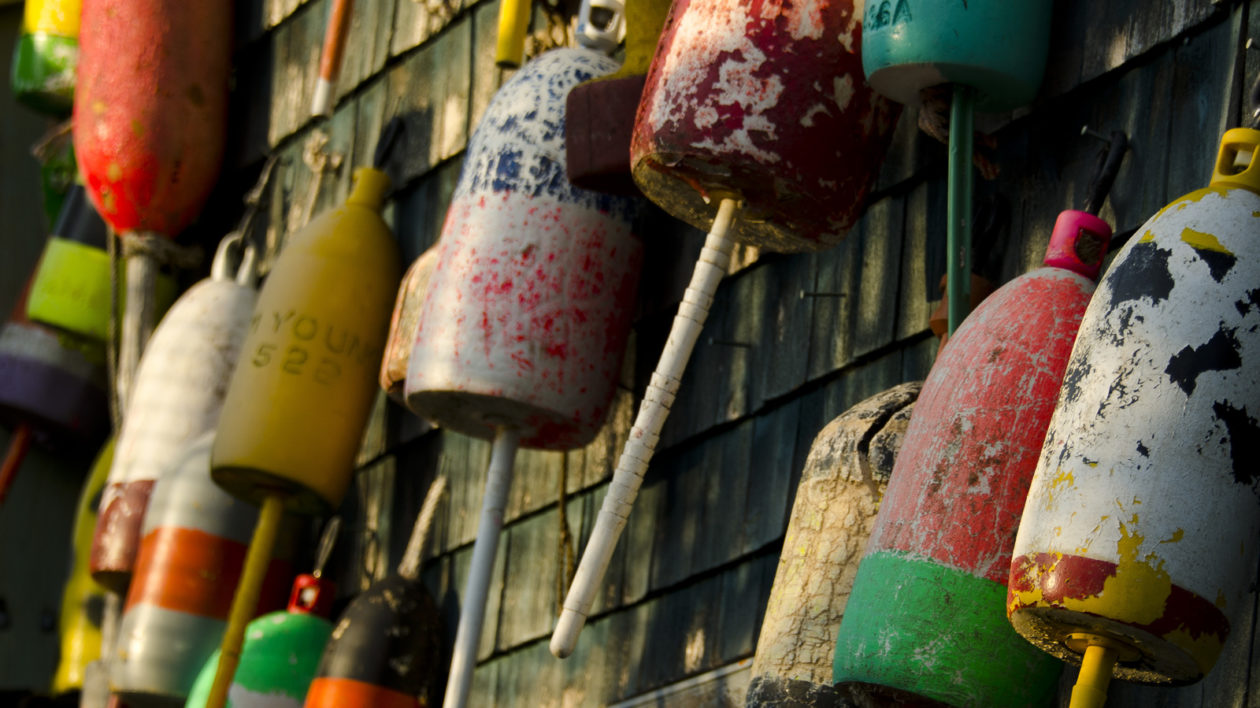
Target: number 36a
326,372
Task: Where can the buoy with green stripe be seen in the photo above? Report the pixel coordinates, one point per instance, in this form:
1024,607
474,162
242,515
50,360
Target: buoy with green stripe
47,55
1138,546
925,616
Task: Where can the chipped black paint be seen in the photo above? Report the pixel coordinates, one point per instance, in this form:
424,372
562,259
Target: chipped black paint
1144,273
1143,450
1220,353
1219,263
1244,441
1247,305
1078,370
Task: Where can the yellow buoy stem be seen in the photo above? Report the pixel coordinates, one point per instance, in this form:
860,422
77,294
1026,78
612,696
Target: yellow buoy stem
513,23
1090,690
246,599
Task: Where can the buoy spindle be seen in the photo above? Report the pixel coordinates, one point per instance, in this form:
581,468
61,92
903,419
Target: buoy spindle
1090,690
631,466
473,613
958,235
246,597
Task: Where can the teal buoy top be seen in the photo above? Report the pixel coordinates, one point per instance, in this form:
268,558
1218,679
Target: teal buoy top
997,47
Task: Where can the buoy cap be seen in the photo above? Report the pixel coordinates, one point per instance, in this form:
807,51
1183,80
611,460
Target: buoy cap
312,596
370,185
1078,243
1236,165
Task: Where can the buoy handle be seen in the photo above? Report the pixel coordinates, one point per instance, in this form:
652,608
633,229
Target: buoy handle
641,444
473,612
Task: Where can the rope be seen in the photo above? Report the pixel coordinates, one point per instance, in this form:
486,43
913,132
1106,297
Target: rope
160,249
565,555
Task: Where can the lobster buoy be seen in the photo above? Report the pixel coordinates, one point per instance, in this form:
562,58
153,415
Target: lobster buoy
191,553
529,307
71,286
924,619
82,600
1139,539
767,107
297,402
47,55
177,396
282,649
150,112
754,122
403,323
387,647
599,114
844,479
52,389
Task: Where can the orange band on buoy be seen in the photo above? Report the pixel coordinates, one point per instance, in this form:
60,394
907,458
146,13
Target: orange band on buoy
348,693
184,584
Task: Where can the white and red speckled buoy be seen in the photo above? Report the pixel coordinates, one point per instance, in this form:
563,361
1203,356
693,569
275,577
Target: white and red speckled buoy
528,309
764,101
925,616
1139,537
180,386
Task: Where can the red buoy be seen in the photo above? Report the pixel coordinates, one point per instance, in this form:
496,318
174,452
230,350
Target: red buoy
925,618
150,109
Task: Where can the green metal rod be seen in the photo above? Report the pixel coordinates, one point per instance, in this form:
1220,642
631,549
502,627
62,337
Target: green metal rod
958,230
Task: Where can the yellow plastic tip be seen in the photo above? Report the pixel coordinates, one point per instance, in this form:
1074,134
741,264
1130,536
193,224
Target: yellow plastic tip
370,186
1236,163
1090,690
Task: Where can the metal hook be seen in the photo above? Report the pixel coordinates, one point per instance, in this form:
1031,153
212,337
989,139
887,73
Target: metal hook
1105,170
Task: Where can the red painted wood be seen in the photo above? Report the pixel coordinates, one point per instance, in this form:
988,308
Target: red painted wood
150,110
958,489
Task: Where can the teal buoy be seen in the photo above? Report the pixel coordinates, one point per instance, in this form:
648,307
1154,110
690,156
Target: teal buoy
997,47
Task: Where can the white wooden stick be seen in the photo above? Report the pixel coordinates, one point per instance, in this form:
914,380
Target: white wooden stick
468,635
663,386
